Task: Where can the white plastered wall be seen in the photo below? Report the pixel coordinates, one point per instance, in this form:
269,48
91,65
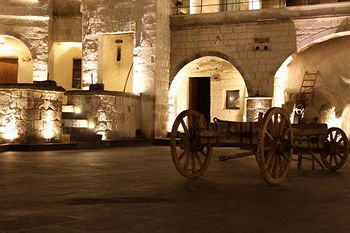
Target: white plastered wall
11,47
61,56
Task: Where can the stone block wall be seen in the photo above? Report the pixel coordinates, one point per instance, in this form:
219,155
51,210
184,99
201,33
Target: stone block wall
28,22
30,115
241,37
118,17
149,21
163,66
66,29
114,115
236,43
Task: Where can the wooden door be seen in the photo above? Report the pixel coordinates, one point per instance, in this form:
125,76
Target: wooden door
199,95
8,70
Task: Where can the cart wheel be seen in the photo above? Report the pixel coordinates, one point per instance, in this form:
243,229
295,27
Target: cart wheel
335,149
191,154
274,146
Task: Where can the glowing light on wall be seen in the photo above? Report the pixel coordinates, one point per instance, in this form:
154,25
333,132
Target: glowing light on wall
2,40
28,17
254,4
10,131
88,78
138,82
92,125
331,119
6,49
103,133
281,79
77,110
48,130
346,119
179,78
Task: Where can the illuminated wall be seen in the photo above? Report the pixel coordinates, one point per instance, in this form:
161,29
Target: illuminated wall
30,115
10,47
113,115
62,55
331,102
28,21
223,77
116,61
149,22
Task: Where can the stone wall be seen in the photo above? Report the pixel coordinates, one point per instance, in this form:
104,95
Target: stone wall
30,114
118,17
254,43
163,66
237,44
28,22
114,115
66,29
149,21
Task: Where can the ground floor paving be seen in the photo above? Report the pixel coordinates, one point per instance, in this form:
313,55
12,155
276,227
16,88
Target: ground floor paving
138,190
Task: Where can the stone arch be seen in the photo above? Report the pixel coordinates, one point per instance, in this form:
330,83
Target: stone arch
224,76
177,67
38,48
13,47
329,57
22,38
322,36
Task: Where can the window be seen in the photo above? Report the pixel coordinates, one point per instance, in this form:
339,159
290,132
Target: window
232,99
76,76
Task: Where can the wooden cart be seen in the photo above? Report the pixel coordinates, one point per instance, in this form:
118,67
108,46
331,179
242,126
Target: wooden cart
273,137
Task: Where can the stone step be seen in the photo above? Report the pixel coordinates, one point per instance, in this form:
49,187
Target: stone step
75,123
74,130
73,115
67,108
71,108
85,138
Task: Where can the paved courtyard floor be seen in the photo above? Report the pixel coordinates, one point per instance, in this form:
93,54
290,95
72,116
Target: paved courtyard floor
138,190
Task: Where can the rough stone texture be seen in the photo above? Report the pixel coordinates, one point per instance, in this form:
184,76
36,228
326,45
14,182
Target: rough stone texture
149,20
30,115
331,102
29,22
234,39
117,17
114,116
66,29
163,66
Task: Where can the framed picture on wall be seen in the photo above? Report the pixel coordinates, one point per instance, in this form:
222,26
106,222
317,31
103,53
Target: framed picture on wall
232,99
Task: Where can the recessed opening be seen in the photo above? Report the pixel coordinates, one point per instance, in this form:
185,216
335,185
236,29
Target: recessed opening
119,54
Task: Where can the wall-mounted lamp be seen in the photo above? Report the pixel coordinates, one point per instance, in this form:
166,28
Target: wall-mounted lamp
26,59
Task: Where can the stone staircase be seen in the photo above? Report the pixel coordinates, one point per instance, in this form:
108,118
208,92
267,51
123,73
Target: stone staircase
76,126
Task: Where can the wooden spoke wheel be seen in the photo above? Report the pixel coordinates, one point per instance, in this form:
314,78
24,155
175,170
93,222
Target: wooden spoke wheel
335,149
274,146
190,152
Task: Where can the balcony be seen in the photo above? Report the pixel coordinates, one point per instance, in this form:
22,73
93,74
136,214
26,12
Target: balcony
184,7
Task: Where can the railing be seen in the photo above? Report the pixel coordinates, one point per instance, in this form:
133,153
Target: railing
184,7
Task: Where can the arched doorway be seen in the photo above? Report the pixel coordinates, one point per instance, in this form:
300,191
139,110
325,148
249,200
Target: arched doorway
331,101
16,64
212,81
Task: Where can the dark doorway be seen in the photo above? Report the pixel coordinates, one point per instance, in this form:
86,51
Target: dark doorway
199,95
8,70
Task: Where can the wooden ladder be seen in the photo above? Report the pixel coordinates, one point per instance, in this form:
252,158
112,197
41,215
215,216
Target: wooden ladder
307,89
